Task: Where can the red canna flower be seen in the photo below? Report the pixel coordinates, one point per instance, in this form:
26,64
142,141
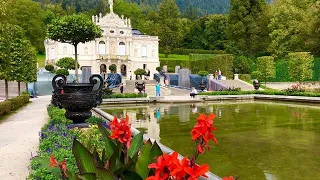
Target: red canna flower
53,161
63,167
196,172
159,165
228,178
158,177
121,131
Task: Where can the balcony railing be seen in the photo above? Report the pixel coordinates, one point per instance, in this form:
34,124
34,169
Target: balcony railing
112,57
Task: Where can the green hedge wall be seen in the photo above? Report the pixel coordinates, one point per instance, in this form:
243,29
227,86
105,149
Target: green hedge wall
194,57
182,51
5,107
174,63
224,62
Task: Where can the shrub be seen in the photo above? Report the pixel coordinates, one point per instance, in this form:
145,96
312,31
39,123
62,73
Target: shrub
19,101
182,51
113,68
159,69
203,73
242,64
256,75
245,77
67,63
171,69
49,67
194,57
140,72
5,107
63,72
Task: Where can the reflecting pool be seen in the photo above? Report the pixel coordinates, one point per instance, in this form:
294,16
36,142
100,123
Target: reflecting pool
257,139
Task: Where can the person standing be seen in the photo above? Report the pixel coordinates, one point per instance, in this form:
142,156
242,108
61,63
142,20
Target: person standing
219,74
130,75
158,90
121,88
216,75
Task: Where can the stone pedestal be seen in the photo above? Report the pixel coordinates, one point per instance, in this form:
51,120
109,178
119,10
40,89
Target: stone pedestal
162,81
184,78
124,80
165,69
86,73
236,76
176,69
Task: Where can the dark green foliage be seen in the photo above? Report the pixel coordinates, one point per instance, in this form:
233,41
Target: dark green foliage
316,69
174,63
67,63
194,57
158,69
256,75
282,71
19,101
113,68
63,72
49,67
171,69
94,120
106,92
203,73
248,26
242,64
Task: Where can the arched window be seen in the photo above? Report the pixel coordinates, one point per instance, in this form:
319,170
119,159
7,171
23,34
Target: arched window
122,49
102,47
144,51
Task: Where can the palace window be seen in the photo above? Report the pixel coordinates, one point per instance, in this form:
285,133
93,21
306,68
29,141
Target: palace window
102,48
122,49
144,51
121,32
112,31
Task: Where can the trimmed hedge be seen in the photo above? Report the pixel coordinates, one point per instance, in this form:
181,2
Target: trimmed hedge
182,51
13,104
245,77
174,63
194,57
284,93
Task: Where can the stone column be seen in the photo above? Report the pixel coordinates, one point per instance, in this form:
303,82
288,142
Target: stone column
236,76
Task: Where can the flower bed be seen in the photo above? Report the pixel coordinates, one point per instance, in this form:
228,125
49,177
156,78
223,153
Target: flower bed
110,152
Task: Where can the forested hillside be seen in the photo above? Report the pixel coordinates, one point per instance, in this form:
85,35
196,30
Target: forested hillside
201,7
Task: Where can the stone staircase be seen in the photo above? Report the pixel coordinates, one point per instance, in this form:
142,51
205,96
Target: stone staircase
237,84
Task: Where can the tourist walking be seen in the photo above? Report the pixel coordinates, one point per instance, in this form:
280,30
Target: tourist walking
121,88
216,75
219,74
158,90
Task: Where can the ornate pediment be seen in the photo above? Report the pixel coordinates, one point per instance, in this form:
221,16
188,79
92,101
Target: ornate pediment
112,19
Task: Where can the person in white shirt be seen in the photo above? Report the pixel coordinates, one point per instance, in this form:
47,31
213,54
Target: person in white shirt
193,93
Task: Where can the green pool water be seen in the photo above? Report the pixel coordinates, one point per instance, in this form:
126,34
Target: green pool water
257,139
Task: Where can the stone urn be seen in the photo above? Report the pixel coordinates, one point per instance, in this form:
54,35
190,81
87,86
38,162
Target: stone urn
140,86
203,85
77,98
256,84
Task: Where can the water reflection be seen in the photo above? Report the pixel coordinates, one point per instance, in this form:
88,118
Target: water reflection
257,140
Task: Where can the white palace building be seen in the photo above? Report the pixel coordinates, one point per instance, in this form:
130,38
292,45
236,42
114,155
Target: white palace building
121,45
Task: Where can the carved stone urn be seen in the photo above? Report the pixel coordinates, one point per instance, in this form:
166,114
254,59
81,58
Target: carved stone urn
203,85
140,86
256,84
77,98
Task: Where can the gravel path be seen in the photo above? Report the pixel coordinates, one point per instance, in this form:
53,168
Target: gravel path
19,137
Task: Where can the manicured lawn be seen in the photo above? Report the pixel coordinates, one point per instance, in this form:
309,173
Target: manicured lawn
174,57
41,59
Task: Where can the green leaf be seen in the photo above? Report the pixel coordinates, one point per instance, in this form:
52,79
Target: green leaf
115,163
97,157
85,160
144,160
136,144
128,166
88,176
45,161
155,152
110,145
130,175
104,174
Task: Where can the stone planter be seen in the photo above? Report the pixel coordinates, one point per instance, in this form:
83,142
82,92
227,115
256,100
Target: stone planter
256,84
77,98
140,86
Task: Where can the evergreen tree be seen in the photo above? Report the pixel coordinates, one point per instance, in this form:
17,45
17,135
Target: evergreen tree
169,32
215,32
247,26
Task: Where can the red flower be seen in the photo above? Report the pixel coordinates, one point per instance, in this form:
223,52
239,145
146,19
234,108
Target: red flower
159,165
228,178
196,172
53,161
121,131
63,167
158,177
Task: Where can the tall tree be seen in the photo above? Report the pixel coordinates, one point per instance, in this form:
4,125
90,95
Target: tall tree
300,66
10,37
314,30
288,27
247,26
169,31
265,65
74,29
215,32
30,17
